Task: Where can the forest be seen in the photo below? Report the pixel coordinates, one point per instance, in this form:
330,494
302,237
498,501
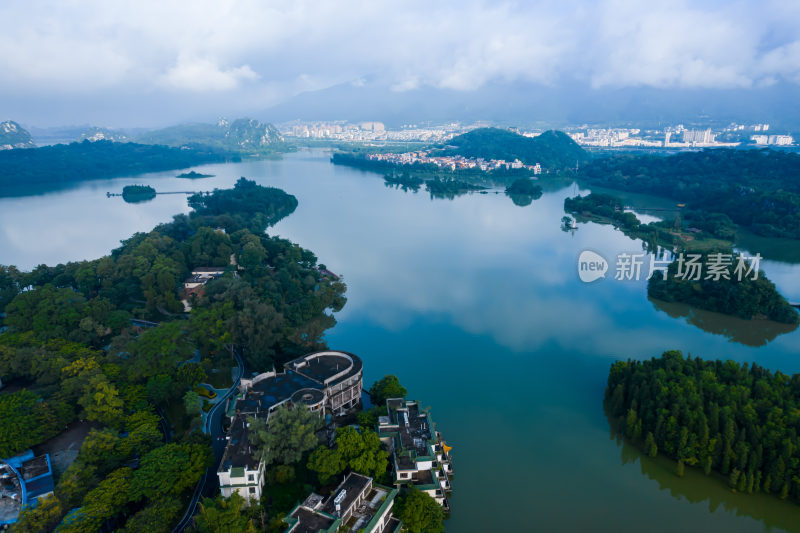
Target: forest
71,352
758,189
64,164
746,298
734,420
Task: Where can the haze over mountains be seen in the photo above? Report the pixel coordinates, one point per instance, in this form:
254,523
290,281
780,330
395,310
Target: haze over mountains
526,104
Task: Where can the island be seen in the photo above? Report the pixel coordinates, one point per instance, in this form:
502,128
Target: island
523,191
732,420
723,289
170,365
194,175
138,193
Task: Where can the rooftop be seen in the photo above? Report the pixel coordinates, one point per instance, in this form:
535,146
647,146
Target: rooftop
353,485
238,453
264,394
415,429
309,521
326,368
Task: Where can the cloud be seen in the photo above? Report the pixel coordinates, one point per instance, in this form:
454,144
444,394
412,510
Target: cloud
264,52
204,75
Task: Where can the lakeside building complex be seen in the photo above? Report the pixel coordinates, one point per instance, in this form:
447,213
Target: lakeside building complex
331,383
325,382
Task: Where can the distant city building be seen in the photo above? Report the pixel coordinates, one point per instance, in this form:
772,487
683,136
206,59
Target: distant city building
773,140
698,136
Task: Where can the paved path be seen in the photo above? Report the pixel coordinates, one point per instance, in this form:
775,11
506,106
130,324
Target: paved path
212,426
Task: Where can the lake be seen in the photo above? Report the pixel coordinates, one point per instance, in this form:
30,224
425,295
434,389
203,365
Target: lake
476,305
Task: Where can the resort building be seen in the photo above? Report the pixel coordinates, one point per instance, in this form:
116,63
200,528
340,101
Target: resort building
357,504
23,480
195,284
240,470
421,458
328,382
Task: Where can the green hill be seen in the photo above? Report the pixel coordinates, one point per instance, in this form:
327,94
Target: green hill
241,135
12,135
552,149
22,171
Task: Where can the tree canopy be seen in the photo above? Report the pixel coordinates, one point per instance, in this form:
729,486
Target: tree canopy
739,420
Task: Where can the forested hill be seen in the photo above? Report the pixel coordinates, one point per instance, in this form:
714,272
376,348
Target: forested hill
738,420
62,164
553,149
241,135
756,188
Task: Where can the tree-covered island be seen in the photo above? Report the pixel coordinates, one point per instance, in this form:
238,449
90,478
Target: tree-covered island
737,421
138,193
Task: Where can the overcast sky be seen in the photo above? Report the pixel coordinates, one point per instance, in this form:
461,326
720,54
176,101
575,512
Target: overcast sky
145,62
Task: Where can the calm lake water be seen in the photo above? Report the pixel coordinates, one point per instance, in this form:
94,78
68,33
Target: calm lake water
476,305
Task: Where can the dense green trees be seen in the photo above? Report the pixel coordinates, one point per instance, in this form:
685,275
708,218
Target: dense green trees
222,515
61,164
359,451
27,420
738,420
759,189
419,512
746,297
289,435
138,193
387,387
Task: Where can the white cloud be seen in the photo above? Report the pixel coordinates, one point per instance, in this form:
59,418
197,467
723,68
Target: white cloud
265,52
204,75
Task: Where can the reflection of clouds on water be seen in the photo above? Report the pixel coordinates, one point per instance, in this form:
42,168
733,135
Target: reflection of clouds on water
480,262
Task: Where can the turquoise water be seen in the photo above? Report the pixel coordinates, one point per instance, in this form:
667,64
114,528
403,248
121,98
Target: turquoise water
476,305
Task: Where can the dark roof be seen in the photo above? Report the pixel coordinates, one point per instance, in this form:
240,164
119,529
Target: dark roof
415,429
33,468
354,484
307,397
311,522
239,452
209,269
323,366
272,391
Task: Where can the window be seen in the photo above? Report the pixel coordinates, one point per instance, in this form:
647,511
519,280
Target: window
252,490
250,477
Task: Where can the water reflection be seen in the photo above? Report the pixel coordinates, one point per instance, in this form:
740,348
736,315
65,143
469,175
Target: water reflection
747,332
697,488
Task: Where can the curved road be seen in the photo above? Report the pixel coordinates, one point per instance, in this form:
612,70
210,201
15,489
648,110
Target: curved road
208,485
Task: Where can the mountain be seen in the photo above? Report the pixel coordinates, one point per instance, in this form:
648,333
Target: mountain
522,104
553,149
102,134
12,135
241,135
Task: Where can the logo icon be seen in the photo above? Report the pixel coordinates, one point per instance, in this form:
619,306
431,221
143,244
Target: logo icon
591,266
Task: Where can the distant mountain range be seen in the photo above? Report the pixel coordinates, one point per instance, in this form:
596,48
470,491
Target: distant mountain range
530,105
553,149
12,135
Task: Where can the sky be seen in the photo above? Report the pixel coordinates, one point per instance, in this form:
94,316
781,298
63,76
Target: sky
148,63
